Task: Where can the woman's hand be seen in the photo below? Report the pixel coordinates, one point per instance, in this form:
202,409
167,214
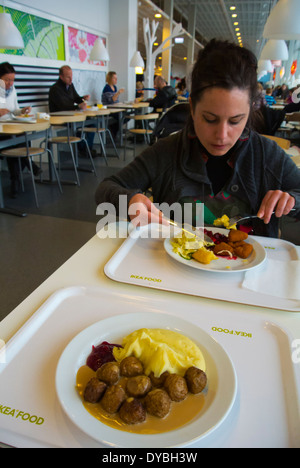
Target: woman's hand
26,110
278,201
4,112
142,211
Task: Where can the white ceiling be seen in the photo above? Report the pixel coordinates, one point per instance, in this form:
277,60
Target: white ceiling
214,20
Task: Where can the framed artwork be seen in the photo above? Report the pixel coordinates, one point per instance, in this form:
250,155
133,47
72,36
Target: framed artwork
42,38
80,46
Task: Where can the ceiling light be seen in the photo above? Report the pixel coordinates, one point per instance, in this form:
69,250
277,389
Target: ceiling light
157,15
99,52
237,29
232,8
137,60
10,36
275,50
283,21
235,23
234,15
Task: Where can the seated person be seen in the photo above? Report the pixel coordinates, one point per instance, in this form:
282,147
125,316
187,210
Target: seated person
217,159
64,97
270,100
165,96
110,95
9,104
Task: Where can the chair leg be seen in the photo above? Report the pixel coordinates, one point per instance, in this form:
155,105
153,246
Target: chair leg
113,143
103,148
21,174
90,156
33,181
54,170
74,164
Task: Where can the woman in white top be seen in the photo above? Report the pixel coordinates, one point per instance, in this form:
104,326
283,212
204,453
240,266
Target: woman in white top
8,105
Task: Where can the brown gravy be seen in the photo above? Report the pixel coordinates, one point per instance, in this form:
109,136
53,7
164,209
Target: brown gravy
181,413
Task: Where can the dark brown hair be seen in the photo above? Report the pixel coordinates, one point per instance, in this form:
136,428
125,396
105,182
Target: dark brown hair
225,65
6,68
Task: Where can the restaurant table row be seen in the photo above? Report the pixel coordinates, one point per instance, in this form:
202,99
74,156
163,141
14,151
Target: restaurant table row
117,283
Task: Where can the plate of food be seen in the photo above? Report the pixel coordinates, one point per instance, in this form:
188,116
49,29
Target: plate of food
25,118
218,250
127,383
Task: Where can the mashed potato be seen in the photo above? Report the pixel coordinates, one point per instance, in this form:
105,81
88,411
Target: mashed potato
224,222
161,350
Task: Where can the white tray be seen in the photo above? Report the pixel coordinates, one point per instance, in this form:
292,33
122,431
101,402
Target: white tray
265,412
144,262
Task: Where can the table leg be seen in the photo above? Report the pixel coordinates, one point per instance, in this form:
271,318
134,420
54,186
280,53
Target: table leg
5,210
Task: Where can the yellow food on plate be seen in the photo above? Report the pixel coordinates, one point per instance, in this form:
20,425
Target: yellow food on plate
161,350
204,256
224,222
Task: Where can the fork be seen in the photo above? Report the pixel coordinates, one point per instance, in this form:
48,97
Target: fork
239,219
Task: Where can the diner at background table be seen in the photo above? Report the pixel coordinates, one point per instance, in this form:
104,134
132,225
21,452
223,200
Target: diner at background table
8,106
110,95
64,97
217,159
165,95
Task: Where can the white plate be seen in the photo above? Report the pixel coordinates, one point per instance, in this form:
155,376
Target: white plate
19,118
223,265
219,399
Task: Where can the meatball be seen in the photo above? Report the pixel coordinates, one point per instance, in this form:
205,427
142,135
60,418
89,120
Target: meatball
138,386
196,379
131,366
158,381
109,373
176,387
132,411
113,398
158,403
94,390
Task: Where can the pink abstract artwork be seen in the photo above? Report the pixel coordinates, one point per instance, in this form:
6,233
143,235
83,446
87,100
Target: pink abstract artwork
80,46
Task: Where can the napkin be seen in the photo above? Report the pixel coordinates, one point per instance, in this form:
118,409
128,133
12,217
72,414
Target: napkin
277,278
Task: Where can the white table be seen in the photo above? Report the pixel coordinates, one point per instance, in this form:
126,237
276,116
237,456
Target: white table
85,269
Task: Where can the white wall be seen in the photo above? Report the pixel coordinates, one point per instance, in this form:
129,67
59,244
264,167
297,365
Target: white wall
123,43
91,13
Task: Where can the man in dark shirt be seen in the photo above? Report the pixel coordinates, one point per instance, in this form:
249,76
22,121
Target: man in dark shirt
64,97
165,96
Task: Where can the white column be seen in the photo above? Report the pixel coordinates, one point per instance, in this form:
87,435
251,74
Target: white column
122,43
167,31
191,40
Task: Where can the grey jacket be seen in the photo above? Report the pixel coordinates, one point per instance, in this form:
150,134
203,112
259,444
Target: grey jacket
174,169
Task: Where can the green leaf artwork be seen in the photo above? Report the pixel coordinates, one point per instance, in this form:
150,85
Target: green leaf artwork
42,38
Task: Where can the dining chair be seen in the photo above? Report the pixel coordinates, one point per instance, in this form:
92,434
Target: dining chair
30,152
282,142
101,131
71,139
294,117
146,131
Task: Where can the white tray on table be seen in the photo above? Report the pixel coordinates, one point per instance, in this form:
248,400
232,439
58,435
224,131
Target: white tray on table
265,412
144,261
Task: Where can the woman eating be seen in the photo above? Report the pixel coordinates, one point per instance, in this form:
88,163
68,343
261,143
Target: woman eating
9,105
216,159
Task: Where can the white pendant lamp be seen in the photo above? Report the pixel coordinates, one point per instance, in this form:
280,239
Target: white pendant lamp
137,61
275,50
284,21
10,36
99,51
